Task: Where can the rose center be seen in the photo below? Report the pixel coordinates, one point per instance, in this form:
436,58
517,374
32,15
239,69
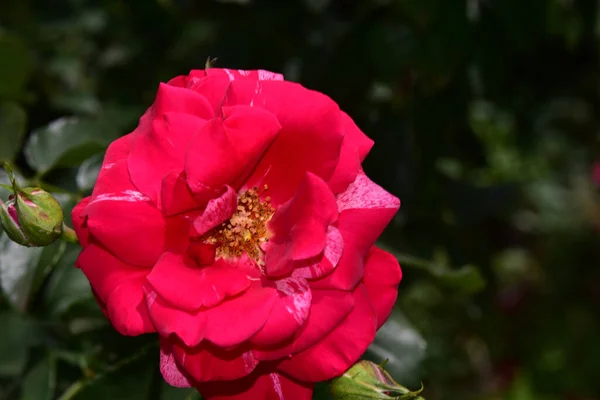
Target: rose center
246,230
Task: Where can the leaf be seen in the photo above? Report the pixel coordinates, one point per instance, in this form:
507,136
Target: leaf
12,130
15,66
466,279
130,380
40,382
67,142
67,285
169,392
16,336
402,345
88,173
23,269
17,269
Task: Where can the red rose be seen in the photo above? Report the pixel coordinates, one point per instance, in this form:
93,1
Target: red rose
236,222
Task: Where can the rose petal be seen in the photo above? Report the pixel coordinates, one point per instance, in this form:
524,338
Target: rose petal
355,147
80,223
236,74
263,385
226,150
173,374
207,362
238,319
309,141
300,226
382,277
333,355
166,139
176,194
328,309
189,327
364,193
332,253
288,314
104,271
217,211
126,308
118,287
185,286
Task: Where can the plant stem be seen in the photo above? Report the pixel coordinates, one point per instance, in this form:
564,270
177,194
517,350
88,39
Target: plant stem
69,235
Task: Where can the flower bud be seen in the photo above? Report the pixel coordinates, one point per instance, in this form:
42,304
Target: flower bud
367,380
40,216
10,222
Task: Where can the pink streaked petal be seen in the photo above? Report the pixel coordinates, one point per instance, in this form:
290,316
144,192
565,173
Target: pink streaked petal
171,372
263,385
382,277
126,308
238,319
233,74
189,327
300,226
359,228
364,193
217,211
333,355
332,253
328,309
207,362
183,285
226,150
288,314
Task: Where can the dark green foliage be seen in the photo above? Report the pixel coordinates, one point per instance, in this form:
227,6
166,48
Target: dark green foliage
484,116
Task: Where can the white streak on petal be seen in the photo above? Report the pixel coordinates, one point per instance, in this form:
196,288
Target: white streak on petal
334,245
276,385
229,74
131,196
243,72
269,76
365,194
300,294
170,371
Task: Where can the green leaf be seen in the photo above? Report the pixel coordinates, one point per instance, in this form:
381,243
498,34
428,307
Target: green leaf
169,392
466,279
67,285
16,336
23,269
40,382
15,66
399,342
17,269
131,379
67,142
88,173
12,130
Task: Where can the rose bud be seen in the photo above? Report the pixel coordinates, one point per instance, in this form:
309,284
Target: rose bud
40,216
10,222
367,380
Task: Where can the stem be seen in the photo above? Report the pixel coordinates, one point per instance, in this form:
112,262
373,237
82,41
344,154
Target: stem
69,235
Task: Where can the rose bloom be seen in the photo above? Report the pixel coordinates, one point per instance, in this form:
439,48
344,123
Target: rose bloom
236,221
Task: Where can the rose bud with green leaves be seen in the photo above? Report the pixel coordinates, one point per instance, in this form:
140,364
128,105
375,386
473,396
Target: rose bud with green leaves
367,380
31,217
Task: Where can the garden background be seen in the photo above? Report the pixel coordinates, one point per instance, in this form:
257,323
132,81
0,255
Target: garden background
485,120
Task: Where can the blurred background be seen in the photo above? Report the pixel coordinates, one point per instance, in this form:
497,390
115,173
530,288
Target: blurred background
484,116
